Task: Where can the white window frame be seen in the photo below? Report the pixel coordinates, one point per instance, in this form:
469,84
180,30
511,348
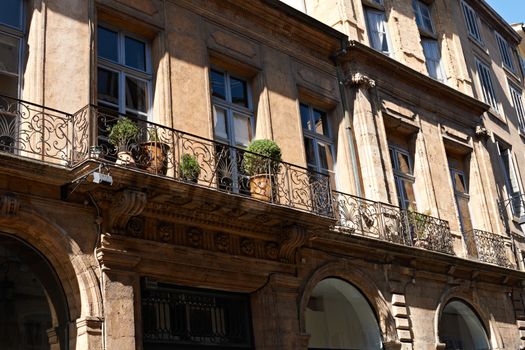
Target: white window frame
400,177
519,106
16,33
513,185
457,194
419,9
485,82
433,63
124,71
232,108
374,40
505,52
317,138
472,22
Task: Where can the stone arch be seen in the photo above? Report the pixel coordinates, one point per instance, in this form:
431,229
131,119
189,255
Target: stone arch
467,295
354,276
78,280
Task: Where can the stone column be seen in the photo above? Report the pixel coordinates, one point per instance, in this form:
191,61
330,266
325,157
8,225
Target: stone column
366,135
275,315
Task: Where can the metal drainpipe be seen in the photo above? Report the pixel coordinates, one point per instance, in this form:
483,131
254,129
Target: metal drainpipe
347,121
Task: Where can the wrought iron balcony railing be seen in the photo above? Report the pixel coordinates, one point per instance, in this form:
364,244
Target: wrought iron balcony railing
182,156
45,134
390,223
490,248
36,132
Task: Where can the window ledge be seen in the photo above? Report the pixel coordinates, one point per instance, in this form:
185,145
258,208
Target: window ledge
513,74
497,114
479,44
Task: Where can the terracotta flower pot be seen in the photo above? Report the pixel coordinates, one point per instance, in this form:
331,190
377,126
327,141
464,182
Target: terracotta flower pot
153,157
261,187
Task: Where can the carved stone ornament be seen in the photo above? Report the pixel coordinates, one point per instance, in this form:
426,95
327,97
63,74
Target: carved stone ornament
125,205
292,238
9,205
195,237
360,80
247,247
482,133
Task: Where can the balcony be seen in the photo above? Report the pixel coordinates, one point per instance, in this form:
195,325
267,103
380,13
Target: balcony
490,248
47,135
392,224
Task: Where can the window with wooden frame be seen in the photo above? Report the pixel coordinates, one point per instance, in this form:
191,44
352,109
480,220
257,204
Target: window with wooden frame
403,177
377,28
487,87
512,180
518,104
472,22
123,72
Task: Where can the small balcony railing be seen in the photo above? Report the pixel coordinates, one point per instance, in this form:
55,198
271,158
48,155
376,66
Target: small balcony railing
390,223
490,248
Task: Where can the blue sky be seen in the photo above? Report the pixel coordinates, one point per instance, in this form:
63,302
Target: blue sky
513,11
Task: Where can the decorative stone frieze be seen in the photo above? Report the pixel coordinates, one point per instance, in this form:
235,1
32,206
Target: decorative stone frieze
9,205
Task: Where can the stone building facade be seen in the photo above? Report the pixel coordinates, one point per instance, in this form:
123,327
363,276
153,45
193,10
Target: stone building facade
391,222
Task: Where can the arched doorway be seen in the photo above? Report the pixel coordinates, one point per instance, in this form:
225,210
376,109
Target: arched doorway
33,309
461,328
338,316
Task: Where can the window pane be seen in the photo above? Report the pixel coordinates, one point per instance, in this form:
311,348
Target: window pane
9,54
408,193
326,161
404,163
10,12
107,86
310,154
377,31
218,88
8,85
107,44
220,125
305,116
243,129
239,92
459,182
321,122
135,53
136,94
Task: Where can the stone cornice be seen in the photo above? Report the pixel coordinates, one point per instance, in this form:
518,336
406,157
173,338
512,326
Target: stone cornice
361,54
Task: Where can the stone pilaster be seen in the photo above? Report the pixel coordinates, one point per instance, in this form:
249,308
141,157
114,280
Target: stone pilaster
89,333
366,135
275,322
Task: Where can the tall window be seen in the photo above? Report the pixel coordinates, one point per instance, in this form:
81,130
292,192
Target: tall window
485,80
505,51
318,141
403,177
232,109
512,182
428,40
522,63
232,125
377,30
517,101
124,72
11,32
423,16
471,20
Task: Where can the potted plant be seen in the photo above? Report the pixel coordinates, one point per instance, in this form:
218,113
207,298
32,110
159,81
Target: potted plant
418,225
153,155
189,169
121,135
262,162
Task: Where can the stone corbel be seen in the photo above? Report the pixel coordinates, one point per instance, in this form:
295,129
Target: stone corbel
292,238
482,133
126,204
9,205
360,80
